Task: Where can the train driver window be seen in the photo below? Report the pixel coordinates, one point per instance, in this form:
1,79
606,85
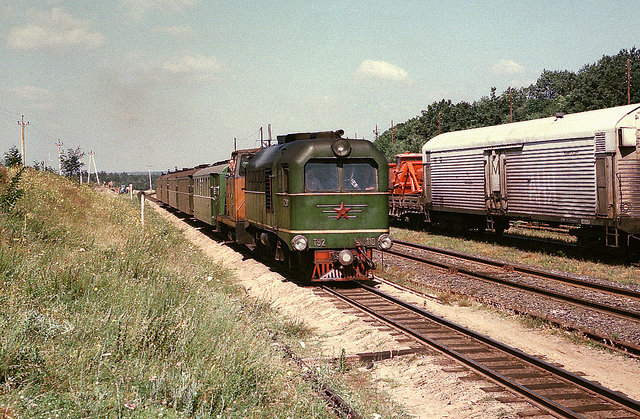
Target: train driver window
321,176
359,176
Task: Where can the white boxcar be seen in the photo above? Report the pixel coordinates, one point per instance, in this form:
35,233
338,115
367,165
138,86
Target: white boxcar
581,169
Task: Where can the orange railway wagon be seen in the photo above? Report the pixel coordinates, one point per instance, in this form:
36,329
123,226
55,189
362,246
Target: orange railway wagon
405,188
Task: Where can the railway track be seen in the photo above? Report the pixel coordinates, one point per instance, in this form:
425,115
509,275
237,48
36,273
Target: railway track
549,388
606,298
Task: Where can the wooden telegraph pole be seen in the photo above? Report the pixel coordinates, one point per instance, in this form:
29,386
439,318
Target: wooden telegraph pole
59,144
392,131
510,105
22,125
628,81
95,168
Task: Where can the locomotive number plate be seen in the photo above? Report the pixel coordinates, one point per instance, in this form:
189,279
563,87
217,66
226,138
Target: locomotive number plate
320,242
367,241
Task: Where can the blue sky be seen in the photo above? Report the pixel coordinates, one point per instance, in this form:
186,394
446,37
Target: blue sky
170,83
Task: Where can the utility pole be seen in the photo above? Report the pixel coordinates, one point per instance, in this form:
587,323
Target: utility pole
92,160
149,169
510,105
375,132
22,125
392,131
59,144
439,123
628,81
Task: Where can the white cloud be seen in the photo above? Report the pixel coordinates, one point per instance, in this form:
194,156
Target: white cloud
54,30
381,70
507,67
175,31
139,8
193,65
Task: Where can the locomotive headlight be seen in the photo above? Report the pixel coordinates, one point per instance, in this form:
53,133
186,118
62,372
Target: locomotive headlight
384,242
345,257
341,148
299,242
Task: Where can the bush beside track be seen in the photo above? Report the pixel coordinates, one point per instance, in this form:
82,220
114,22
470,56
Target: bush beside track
100,316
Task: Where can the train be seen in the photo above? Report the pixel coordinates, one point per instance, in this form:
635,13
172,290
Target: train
580,170
316,201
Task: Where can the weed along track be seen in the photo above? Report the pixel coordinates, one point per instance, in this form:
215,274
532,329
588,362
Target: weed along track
602,310
550,389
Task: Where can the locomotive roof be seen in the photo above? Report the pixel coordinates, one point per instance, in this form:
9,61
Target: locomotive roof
299,151
578,125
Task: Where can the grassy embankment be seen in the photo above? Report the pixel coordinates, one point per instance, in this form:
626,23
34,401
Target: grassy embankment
102,317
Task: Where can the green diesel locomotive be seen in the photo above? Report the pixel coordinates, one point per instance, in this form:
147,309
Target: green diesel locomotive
315,201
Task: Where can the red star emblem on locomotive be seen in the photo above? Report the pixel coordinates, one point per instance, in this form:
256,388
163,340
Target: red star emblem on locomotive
342,211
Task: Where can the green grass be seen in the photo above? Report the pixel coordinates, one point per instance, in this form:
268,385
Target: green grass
102,317
622,272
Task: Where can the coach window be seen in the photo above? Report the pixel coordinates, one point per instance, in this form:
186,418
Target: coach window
321,176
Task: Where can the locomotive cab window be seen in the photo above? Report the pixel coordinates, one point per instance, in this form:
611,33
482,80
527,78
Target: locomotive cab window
333,176
359,176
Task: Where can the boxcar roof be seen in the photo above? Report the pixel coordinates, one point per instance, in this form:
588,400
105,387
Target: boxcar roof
214,169
187,173
578,125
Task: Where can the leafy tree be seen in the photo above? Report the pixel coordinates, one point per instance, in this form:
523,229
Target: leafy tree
12,194
12,157
72,162
41,166
599,85
139,180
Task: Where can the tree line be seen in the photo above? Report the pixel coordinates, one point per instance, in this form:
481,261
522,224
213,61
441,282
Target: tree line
71,166
595,86
70,161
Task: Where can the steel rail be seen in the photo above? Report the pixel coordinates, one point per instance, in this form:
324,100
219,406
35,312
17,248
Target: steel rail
535,398
627,314
526,270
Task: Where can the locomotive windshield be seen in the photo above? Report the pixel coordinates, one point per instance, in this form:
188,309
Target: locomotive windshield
333,176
